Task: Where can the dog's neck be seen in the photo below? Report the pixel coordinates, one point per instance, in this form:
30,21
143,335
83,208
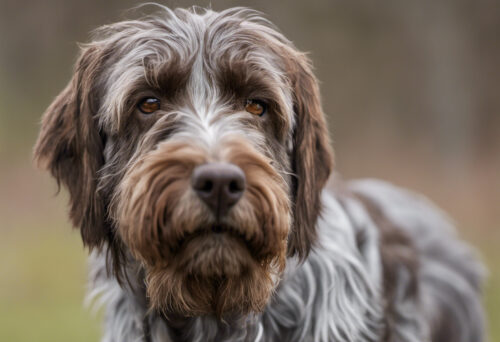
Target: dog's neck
170,326
183,329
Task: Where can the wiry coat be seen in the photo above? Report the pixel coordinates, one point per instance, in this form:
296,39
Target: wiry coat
337,294
296,259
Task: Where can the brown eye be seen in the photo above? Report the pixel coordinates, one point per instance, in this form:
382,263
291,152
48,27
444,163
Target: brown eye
149,105
256,107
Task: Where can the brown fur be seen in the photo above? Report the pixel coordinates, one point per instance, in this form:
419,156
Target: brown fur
70,146
165,235
312,158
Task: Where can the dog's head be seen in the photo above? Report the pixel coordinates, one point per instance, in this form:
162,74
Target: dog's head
196,144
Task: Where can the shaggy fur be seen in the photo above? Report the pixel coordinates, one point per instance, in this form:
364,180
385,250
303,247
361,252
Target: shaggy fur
293,259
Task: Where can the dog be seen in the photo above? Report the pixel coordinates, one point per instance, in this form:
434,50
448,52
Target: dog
195,151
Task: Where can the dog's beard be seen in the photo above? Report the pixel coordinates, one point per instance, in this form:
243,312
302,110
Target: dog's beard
211,275
195,266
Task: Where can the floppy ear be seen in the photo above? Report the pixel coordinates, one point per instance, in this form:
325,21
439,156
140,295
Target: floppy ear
71,148
312,156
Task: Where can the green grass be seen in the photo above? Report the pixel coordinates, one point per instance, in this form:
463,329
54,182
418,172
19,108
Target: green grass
42,286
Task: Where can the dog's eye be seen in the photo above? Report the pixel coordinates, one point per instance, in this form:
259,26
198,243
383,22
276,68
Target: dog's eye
256,107
149,105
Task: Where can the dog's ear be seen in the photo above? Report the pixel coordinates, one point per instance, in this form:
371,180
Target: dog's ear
71,147
312,156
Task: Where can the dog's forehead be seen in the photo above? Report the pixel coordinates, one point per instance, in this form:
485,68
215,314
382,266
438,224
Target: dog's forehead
202,53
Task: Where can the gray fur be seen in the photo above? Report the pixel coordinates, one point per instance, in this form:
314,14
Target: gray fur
335,295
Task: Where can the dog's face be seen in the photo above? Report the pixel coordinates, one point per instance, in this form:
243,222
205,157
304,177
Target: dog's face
194,144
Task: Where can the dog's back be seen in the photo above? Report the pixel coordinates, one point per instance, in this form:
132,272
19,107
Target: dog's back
448,274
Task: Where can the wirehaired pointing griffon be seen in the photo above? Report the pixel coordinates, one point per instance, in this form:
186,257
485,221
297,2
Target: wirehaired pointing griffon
196,155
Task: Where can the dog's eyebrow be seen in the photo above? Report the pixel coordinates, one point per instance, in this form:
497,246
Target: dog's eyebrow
240,82
168,77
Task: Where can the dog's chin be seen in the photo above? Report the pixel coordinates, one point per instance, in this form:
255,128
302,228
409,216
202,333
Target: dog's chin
213,272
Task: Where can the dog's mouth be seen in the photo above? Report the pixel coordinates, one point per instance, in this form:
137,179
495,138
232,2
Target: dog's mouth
230,230
217,230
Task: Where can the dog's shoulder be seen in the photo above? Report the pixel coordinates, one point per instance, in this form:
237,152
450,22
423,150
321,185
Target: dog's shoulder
425,265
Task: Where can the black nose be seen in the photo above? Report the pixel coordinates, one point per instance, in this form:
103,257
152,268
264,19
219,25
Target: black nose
219,185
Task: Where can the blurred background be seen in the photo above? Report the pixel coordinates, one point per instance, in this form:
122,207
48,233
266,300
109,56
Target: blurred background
411,90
